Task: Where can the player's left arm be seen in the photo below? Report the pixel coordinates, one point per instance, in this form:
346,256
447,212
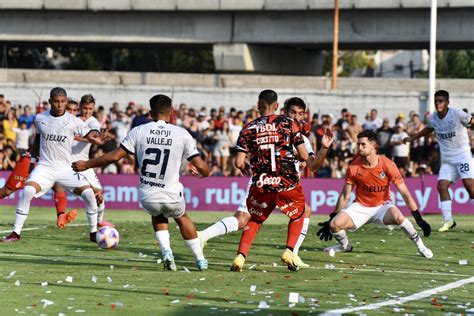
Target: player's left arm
410,202
315,162
103,160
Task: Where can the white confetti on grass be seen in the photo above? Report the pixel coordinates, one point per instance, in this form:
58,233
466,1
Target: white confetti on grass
186,270
43,284
46,303
293,297
174,302
11,275
109,279
94,279
263,304
17,283
69,279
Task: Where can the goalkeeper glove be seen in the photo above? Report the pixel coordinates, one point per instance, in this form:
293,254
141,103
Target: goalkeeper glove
324,233
422,223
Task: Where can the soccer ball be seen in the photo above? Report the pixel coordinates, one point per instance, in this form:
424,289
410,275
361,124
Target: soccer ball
107,237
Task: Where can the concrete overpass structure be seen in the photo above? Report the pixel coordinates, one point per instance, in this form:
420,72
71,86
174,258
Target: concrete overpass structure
266,36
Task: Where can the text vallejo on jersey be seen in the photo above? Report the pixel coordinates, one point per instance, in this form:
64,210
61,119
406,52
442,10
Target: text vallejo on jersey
159,141
54,138
446,135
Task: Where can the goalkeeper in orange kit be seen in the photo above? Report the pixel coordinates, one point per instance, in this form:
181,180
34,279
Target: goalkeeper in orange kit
17,180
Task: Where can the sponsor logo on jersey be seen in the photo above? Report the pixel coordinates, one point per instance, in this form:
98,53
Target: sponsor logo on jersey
446,135
54,138
268,139
267,180
374,188
266,128
254,202
382,175
164,133
255,212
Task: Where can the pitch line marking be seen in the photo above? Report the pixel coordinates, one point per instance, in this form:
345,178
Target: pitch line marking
39,227
228,264
402,300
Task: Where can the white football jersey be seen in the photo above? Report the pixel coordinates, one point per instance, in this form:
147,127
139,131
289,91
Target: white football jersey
160,148
452,135
80,150
57,137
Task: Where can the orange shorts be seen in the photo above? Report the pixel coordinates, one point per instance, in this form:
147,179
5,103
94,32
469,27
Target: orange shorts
261,204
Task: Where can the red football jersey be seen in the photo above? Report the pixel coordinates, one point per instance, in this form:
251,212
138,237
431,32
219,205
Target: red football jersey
270,141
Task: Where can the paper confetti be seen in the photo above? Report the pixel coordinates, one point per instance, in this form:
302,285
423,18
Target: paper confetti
44,284
253,288
10,275
17,282
94,279
463,262
46,303
174,302
263,304
293,297
68,279
331,252
109,279
186,270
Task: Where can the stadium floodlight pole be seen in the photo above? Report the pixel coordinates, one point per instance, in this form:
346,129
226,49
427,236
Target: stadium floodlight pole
432,71
335,45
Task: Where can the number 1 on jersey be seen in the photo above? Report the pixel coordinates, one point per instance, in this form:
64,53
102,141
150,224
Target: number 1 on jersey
272,154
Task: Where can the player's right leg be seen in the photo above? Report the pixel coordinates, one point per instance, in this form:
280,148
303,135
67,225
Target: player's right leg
229,224
447,175
22,210
343,221
160,225
60,202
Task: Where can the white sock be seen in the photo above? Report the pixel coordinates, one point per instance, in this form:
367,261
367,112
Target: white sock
163,237
300,240
446,209
91,208
411,233
23,208
100,212
195,246
341,238
224,226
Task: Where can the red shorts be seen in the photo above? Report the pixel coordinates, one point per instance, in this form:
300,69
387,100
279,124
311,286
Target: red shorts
261,204
17,178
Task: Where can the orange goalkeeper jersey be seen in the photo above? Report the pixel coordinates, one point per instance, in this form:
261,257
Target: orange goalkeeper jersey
373,184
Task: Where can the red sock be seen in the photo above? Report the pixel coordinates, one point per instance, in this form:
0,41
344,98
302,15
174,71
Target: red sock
294,231
248,235
60,202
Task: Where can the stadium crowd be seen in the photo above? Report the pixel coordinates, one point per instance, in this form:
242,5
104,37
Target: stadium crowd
216,132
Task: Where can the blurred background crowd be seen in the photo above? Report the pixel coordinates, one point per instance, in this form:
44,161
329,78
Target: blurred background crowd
216,132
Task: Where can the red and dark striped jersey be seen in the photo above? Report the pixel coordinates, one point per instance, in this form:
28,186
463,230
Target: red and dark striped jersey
270,141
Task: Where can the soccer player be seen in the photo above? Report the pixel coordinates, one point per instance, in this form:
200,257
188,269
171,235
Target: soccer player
81,149
371,174
55,130
294,108
270,140
160,148
450,126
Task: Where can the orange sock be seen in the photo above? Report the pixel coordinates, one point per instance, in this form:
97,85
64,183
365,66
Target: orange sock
60,202
248,235
294,230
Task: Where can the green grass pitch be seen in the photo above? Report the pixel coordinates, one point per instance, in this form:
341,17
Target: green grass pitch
383,266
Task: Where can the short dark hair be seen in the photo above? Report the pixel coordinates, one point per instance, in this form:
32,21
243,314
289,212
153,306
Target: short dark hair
268,97
160,103
296,102
442,93
72,101
87,98
370,134
57,91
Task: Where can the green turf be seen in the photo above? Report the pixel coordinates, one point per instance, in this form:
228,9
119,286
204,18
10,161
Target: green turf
383,265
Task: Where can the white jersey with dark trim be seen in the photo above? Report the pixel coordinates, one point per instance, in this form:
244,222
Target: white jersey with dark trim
452,135
57,137
159,148
80,150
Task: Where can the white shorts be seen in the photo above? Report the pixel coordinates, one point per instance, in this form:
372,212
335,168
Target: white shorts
243,205
453,171
47,176
361,214
92,178
168,210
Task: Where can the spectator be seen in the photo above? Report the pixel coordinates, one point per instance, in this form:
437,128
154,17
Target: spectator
353,128
384,135
9,124
373,122
400,150
222,148
417,147
28,117
23,135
